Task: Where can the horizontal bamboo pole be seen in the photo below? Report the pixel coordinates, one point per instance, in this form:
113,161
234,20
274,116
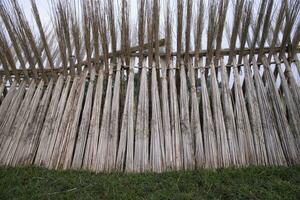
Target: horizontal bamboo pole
203,53
224,52
48,72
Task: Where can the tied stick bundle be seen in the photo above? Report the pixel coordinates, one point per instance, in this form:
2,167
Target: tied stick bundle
273,146
6,103
157,153
90,150
9,148
224,158
209,136
141,163
246,141
196,133
23,130
61,121
83,129
76,140
231,128
195,117
105,136
34,131
187,137
114,126
250,94
243,129
126,144
66,148
46,134
93,134
166,117
11,127
235,151
176,141
7,123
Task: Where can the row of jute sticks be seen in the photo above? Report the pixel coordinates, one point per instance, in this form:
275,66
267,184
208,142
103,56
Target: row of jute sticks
102,124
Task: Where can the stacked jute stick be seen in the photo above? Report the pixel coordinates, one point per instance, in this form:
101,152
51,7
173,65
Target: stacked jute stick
104,90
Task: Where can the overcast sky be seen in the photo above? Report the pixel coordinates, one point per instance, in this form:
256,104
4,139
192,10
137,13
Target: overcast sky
45,8
42,5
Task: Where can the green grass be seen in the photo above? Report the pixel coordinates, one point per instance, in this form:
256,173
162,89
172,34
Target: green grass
248,183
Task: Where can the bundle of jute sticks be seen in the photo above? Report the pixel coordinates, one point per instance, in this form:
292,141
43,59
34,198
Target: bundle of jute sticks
102,89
